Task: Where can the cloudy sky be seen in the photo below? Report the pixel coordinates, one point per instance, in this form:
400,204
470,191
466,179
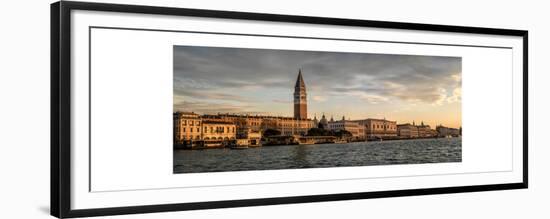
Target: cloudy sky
405,88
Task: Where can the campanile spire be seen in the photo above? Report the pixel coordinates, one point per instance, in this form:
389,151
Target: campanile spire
300,99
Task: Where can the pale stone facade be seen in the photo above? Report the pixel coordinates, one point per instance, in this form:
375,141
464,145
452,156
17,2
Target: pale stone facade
288,126
425,131
220,131
416,131
407,131
187,126
446,131
378,128
357,131
249,137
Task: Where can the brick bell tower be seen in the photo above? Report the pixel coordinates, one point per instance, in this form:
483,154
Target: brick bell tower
300,101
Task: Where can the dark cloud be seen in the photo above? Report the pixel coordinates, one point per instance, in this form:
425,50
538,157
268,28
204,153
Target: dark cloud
208,95
210,107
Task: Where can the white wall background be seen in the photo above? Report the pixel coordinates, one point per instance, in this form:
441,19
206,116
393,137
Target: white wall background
24,109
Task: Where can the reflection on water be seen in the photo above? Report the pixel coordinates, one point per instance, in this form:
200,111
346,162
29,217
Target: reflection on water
320,155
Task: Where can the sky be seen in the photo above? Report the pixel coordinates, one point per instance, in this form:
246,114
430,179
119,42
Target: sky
402,88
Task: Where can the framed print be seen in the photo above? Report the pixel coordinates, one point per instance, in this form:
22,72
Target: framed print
166,109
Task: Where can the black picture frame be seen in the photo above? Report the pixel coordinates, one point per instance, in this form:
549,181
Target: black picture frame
61,111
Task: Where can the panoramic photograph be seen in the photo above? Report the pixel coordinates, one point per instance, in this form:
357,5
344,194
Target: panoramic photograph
243,109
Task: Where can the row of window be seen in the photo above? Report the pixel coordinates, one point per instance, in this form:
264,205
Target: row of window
382,126
293,125
219,129
191,137
254,123
191,129
206,138
191,122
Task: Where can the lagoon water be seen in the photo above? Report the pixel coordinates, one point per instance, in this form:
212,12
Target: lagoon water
319,155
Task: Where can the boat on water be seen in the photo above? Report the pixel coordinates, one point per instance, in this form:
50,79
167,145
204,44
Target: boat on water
341,141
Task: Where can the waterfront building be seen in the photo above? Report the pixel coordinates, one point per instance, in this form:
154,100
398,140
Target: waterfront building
378,128
425,131
357,131
433,133
190,128
218,130
249,137
447,132
407,131
288,126
416,131
187,126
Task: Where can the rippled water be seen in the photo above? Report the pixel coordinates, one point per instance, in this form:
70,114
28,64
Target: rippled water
319,155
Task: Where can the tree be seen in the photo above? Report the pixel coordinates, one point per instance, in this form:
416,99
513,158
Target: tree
317,132
271,132
321,126
320,132
343,133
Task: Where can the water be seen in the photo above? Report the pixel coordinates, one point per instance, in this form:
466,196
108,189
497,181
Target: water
320,155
